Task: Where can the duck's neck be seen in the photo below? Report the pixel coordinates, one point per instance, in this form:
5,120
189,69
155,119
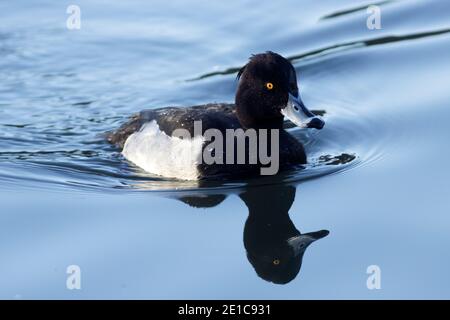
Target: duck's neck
251,119
269,124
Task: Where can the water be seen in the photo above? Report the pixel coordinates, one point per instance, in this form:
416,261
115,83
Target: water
377,178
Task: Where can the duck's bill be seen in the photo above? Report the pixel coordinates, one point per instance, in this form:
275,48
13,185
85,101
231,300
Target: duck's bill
296,112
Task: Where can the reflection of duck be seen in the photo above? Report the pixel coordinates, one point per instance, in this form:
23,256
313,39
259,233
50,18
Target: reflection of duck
274,246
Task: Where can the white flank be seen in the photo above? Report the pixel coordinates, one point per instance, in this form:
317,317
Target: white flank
156,152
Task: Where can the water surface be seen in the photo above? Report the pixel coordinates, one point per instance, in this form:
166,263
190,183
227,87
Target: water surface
377,178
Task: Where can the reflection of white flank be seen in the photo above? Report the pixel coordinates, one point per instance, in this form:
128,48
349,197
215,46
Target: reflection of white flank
156,152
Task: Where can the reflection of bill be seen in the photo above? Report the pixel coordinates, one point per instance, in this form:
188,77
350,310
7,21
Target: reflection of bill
274,246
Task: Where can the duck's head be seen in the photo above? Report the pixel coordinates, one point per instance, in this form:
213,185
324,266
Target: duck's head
268,92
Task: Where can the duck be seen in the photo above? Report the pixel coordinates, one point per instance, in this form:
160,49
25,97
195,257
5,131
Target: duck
267,94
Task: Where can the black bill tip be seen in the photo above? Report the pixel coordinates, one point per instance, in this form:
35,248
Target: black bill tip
316,123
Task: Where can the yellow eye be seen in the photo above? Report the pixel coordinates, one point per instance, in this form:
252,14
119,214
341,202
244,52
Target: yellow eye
276,262
269,85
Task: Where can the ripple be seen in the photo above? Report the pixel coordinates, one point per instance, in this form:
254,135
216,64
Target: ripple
341,13
101,168
337,48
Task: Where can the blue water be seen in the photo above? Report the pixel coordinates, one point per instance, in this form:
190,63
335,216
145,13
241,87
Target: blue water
377,178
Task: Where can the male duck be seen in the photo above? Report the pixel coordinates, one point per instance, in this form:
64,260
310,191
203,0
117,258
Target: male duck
267,92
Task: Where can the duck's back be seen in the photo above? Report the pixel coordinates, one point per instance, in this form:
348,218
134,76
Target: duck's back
219,116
